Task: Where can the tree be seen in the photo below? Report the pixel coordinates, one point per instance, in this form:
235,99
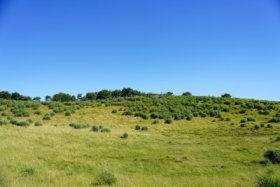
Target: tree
48,98
37,99
91,96
226,95
79,96
5,95
16,96
63,97
187,94
169,93
116,93
128,92
104,94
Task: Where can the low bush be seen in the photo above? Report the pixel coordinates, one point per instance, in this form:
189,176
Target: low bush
168,120
3,122
37,112
38,123
137,127
23,124
67,113
29,121
250,118
269,126
47,117
273,156
95,128
125,135
145,128
275,120
268,181
79,126
243,125
256,127
105,178
105,130
114,111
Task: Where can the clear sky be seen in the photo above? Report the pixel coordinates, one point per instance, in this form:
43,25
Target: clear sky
202,46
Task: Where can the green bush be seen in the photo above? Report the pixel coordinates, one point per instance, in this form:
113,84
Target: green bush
38,123
145,128
105,130
37,112
105,178
256,127
273,156
47,117
125,135
250,118
67,113
137,127
23,124
95,128
269,126
3,122
29,121
268,181
243,125
114,111
79,126
14,121
275,120
168,120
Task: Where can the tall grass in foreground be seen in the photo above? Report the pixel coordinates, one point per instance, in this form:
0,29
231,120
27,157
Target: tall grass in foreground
268,181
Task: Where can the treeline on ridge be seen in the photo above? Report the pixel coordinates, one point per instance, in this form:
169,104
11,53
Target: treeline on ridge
103,94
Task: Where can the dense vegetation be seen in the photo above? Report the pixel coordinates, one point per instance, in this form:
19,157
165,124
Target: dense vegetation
130,138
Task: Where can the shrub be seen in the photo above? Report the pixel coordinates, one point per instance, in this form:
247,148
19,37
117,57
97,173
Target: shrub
95,128
23,124
105,178
47,117
156,122
68,113
250,118
125,135
278,139
105,130
37,112
14,121
243,121
3,122
79,126
262,125
137,127
273,156
256,127
269,126
114,111
243,125
268,181
168,120
275,120
29,121
38,123
145,128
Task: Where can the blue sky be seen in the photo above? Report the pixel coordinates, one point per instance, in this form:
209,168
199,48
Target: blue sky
206,47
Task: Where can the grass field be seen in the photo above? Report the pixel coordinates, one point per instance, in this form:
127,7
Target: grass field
200,152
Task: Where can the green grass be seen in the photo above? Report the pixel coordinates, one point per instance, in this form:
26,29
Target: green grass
197,152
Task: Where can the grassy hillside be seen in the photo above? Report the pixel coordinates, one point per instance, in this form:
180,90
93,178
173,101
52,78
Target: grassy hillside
182,141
